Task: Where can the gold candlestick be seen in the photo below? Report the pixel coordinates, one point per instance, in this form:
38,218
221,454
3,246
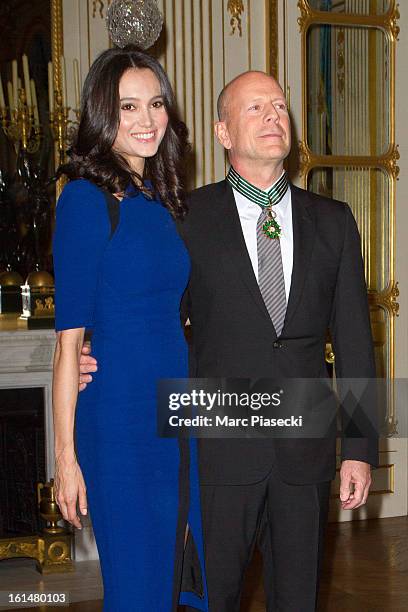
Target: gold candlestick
19,126
59,125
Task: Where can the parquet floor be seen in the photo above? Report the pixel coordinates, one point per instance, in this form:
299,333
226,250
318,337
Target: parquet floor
366,570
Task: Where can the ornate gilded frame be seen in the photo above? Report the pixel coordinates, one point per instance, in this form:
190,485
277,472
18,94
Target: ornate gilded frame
386,299
57,49
57,39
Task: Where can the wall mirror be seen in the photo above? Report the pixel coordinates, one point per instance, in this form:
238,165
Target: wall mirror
348,84
368,192
348,149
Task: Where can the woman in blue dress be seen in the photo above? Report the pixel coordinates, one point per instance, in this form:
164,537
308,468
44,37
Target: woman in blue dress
120,271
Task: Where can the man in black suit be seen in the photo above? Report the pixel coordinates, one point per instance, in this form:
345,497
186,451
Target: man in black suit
251,319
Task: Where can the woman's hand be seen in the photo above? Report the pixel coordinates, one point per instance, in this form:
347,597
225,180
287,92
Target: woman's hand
70,488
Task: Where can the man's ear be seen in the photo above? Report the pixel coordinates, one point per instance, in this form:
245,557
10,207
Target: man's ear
221,132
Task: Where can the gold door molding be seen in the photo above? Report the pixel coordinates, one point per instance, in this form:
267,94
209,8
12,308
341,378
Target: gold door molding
378,242
388,20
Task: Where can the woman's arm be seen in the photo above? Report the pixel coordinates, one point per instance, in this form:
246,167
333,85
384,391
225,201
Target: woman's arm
69,482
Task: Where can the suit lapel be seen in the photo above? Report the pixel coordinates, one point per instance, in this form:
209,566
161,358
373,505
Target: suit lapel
303,240
232,238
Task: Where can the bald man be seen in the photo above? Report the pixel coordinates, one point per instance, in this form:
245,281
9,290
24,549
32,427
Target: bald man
273,268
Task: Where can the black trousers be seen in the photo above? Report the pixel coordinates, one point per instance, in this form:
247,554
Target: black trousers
286,522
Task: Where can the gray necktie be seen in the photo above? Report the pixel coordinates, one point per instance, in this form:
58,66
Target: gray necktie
270,275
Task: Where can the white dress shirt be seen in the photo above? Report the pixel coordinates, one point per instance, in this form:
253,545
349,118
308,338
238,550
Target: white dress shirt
248,215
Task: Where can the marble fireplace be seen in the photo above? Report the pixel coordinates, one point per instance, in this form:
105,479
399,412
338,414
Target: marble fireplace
26,422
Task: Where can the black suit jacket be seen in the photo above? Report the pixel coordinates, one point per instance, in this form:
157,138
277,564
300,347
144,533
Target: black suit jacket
233,335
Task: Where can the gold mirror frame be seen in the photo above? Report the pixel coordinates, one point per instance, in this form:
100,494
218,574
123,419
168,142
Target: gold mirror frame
57,39
386,299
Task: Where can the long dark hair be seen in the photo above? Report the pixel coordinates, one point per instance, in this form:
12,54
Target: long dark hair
91,153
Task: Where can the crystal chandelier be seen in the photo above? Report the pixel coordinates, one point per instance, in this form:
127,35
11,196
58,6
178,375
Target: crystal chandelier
137,22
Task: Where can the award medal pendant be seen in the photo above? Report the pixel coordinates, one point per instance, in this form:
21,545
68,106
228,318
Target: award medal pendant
271,227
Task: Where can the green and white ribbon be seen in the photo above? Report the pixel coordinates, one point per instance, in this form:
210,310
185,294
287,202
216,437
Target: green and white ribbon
264,199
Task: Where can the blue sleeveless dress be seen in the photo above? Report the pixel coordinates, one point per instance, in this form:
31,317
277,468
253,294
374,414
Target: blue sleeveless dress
127,290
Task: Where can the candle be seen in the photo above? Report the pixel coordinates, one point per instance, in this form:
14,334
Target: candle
10,94
50,87
63,81
27,85
15,83
34,102
19,88
76,83
2,100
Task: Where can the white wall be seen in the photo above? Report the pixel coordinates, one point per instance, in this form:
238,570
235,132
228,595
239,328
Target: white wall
200,56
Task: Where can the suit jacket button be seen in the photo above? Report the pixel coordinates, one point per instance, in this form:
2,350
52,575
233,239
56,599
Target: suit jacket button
277,344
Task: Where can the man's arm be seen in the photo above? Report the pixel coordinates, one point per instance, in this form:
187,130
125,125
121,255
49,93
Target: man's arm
354,359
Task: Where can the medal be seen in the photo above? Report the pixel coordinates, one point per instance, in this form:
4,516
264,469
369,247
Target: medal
271,227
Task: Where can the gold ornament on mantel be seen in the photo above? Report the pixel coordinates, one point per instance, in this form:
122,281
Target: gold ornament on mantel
235,8
48,507
9,278
37,294
52,547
